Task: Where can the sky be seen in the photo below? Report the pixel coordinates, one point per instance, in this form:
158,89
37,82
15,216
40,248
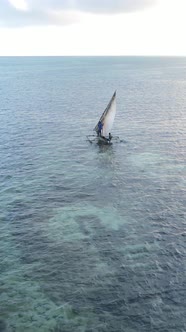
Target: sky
92,27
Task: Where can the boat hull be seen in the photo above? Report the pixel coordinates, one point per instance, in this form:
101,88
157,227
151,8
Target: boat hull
98,140
103,141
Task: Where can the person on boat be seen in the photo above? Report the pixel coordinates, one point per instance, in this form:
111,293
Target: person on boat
100,127
110,137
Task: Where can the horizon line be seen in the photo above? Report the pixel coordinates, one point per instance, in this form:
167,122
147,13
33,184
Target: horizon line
97,55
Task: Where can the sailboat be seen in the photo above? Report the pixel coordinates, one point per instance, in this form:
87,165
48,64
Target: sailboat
105,123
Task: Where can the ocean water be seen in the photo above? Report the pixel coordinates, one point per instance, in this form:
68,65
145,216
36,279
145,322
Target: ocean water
92,238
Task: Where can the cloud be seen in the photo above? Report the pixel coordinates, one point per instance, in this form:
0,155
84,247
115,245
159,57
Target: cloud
62,12
93,6
33,15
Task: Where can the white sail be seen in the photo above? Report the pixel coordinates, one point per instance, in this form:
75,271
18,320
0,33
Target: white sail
107,118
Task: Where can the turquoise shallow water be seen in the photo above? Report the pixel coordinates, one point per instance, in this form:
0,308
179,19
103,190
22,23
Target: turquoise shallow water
92,238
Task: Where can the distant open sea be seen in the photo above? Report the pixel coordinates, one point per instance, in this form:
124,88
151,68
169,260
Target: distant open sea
92,238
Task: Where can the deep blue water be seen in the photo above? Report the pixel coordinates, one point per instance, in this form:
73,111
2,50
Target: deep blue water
92,238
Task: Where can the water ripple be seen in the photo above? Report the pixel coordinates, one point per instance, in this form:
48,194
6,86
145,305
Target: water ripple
92,238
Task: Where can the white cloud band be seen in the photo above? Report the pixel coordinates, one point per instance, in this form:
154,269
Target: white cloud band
44,12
